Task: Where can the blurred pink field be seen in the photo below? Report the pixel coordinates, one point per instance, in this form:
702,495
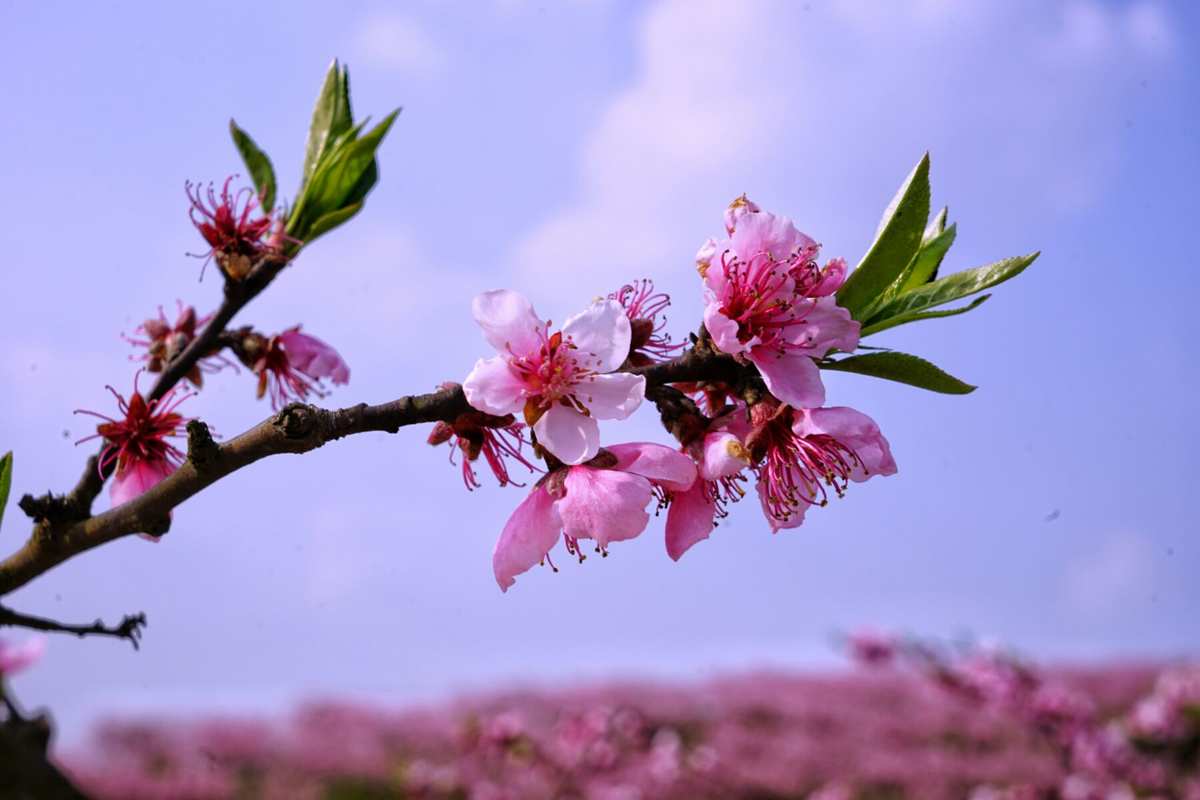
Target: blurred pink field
767,735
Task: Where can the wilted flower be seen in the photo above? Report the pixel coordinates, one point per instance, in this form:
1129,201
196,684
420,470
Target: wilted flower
137,444
767,301
645,307
604,500
17,657
561,382
495,438
721,458
291,365
164,341
235,240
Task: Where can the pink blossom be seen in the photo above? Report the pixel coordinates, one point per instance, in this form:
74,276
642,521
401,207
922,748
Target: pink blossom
17,657
767,301
721,457
163,341
604,500
801,453
235,240
495,438
562,382
645,307
292,365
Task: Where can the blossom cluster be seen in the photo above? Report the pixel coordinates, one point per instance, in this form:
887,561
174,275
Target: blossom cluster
770,307
839,736
1150,749
139,448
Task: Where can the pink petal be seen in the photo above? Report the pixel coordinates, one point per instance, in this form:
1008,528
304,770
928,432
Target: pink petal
14,658
826,326
791,376
722,329
527,537
723,455
569,435
602,334
832,277
508,320
137,478
313,357
612,396
494,388
689,519
853,429
663,465
794,521
767,232
604,504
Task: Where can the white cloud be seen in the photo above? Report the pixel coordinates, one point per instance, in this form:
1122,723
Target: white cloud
1114,577
730,97
398,42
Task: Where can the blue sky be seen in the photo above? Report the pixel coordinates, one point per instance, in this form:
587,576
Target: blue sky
563,149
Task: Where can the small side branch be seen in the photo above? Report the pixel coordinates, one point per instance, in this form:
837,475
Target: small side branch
129,628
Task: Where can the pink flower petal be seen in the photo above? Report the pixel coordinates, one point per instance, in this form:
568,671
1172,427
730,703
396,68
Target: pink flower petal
602,334
527,537
604,504
569,435
508,321
313,357
827,326
137,478
795,520
612,396
853,429
661,464
723,455
722,329
791,376
17,657
689,519
493,387
771,233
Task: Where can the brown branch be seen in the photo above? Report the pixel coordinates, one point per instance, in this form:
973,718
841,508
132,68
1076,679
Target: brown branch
129,628
297,428
77,504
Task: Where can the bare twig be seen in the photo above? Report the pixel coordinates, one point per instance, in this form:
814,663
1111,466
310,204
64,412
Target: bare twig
129,628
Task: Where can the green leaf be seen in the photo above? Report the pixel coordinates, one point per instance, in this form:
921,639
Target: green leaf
332,220
903,368
954,286
924,265
903,319
896,242
6,467
259,166
331,117
343,179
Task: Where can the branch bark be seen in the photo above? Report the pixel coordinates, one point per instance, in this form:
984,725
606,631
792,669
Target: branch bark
298,428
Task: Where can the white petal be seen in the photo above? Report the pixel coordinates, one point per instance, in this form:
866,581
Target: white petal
508,320
493,387
613,396
569,435
602,335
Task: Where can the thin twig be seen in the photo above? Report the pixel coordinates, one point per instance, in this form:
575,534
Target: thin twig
129,628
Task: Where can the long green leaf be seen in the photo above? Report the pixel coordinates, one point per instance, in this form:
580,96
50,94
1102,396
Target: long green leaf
903,319
331,116
896,242
6,467
331,221
903,368
258,165
955,286
344,178
924,265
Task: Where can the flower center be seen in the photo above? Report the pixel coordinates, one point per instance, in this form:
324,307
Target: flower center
766,296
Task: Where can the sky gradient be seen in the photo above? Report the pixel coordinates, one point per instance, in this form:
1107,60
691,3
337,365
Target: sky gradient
563,149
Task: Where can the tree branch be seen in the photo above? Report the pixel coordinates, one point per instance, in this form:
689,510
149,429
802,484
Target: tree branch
298,428
129,628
